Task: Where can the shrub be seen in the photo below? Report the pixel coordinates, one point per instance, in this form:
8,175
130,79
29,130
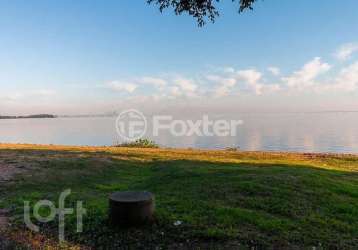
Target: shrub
232,149
140,143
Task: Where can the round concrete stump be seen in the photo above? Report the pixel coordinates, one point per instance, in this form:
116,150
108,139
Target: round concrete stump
131,208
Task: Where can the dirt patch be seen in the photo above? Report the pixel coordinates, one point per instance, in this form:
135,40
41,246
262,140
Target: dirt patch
4,220
11,164
4,223
7,172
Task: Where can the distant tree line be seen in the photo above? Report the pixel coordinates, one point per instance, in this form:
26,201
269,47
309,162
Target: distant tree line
28,116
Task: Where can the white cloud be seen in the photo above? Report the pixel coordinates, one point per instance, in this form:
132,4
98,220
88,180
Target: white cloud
251,77
249,81
222,91
12,96
38,94
122,86
229,70
171,87
157,82
306,76
224,85
274,70
347,79
270,88
229,81
175,91
43,92
186,87
346,50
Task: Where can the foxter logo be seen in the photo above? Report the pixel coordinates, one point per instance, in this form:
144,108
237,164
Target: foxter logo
131,125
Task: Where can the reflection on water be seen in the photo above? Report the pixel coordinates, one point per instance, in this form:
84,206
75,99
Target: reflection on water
305,132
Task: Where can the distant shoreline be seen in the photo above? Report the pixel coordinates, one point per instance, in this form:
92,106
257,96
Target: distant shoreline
28,117
94,148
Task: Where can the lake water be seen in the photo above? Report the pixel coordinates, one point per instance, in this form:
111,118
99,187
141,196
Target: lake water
303,132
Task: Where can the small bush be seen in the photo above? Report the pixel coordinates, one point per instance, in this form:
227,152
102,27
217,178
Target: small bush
232,149
140,143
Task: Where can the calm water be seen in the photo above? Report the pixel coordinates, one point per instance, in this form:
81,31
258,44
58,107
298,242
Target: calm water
304,132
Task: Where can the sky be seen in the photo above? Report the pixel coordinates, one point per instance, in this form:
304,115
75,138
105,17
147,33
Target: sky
92,57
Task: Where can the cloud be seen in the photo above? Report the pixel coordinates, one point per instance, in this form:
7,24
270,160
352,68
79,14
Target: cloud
225,82
346,50
175,91
12,97
157,82
122,86
224,85
251,77
229,70
43,92
184,87
347,79
241,81
169,87
306,76
186,84
38,94
274,70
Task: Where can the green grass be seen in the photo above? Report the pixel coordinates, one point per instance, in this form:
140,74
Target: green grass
253,199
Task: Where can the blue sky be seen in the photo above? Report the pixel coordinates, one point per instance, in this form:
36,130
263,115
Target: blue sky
97,56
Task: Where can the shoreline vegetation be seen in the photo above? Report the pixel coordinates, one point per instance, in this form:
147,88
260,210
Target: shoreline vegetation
3,117
139,143
207,199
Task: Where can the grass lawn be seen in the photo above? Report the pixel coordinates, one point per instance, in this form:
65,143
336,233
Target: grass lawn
224,199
